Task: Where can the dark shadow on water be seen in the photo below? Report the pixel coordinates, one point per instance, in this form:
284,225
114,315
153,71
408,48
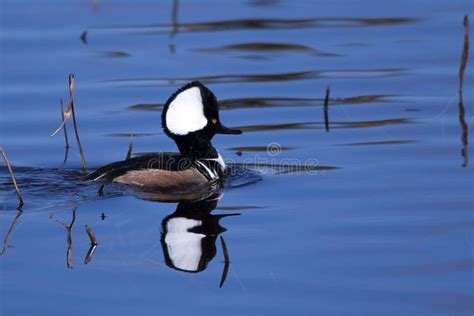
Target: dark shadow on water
275,77
263,3
262,102
258,24
320,125
258,148
115,54
268,47
132,135
382,142
285,168
238,207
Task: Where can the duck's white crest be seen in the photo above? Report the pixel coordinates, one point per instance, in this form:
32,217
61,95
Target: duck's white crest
186,112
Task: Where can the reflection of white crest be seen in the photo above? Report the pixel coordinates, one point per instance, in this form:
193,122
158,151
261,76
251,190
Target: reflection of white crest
186,112
184,247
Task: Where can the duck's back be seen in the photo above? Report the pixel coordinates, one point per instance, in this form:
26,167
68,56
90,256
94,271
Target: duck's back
164,171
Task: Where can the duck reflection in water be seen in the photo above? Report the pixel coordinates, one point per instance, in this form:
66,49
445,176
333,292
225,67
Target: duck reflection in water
189,235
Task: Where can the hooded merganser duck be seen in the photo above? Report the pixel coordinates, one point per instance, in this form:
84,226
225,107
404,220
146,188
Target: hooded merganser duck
191,118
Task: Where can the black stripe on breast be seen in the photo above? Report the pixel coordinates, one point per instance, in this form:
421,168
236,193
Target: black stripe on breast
210,169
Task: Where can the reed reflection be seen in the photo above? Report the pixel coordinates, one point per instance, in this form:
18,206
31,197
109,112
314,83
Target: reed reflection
462,68
6,244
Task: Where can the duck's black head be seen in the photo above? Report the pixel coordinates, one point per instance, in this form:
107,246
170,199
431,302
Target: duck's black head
191,118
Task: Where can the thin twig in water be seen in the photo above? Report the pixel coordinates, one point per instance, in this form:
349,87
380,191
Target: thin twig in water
130,148
12,175
462,68
326,109
10,230
465,52
226,262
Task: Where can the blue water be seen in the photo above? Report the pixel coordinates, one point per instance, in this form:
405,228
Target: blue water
374,217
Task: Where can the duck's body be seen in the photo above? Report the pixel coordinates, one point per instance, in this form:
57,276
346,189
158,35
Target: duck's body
191,118
170,171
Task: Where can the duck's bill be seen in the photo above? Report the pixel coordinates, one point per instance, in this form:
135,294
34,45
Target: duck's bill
221,129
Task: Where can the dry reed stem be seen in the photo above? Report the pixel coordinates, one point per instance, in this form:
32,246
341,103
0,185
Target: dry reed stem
71,95
12,175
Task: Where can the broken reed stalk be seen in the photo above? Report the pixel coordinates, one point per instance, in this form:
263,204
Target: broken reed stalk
90,233
226,262
12,175
71,95
465,51
66,140
462,68
326,109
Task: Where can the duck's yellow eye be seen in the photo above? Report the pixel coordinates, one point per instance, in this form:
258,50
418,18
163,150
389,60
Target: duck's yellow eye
214,121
